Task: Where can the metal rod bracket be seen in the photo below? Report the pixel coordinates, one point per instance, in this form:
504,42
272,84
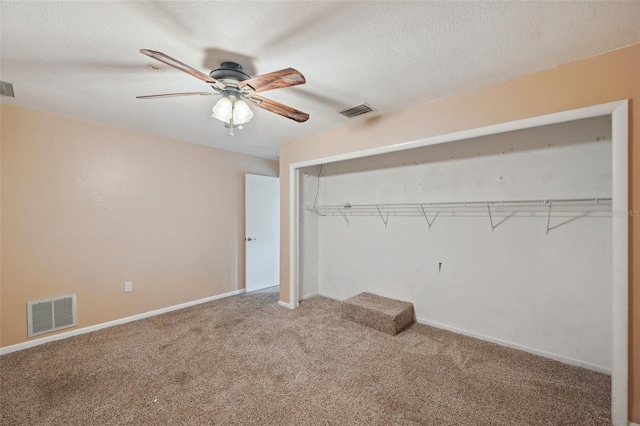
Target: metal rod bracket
491,218
344,216
549,219
384,219
426,218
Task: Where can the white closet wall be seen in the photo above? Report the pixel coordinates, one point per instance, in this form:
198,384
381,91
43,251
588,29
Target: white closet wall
549,293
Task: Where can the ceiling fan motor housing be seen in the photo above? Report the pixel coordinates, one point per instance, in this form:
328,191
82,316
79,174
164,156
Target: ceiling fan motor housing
229,71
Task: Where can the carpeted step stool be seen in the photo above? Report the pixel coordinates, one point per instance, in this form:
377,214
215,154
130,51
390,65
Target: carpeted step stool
381,313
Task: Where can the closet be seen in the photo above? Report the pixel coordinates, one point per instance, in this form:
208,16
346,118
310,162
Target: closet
506,237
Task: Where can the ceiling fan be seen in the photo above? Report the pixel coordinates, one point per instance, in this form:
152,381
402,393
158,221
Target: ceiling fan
238,89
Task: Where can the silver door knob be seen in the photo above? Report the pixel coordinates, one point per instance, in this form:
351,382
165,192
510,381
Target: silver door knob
249,239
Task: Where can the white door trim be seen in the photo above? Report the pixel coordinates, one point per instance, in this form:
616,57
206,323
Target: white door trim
619,112
294,232
620,280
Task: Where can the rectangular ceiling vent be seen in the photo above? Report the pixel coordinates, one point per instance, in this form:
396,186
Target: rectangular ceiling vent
6,89
356,110
45,316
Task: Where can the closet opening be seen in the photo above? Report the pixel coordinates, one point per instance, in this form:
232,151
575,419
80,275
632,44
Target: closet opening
499,218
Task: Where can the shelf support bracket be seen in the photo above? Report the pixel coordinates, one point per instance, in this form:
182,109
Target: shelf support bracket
344,216
384,219
426,218
491,218
313,210
548,219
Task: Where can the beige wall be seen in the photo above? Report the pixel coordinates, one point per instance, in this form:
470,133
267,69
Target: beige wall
605,78
86,207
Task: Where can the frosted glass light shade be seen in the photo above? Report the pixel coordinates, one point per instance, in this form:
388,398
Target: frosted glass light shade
223,110
241,112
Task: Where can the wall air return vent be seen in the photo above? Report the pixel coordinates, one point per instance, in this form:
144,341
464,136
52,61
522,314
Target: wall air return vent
6,89
45,316
356,110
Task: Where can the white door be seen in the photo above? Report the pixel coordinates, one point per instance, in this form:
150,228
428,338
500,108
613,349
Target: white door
261,231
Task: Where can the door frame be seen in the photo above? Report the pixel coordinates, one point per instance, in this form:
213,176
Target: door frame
619,113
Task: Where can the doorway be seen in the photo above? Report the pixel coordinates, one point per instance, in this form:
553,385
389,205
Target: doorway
262,232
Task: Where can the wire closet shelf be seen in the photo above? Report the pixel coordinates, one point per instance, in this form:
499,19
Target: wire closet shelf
572,208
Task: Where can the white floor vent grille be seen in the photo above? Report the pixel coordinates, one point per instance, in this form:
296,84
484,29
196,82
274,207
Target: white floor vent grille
44,316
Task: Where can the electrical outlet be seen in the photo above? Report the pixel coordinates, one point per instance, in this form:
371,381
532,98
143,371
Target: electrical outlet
128,286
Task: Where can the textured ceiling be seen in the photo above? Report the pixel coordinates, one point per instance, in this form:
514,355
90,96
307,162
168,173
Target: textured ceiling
81,59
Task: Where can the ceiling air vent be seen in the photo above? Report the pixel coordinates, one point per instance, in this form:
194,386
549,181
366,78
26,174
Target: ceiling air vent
6,89
356,110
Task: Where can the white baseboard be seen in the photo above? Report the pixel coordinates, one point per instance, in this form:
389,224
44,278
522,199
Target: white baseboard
83,330
331,296
556,357
633,424
309,296
285,304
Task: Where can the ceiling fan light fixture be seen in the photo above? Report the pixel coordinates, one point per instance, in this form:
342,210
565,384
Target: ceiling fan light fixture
233,111
223,109
241,112
236,88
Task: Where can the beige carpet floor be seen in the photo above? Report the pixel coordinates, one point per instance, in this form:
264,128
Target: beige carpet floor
247,361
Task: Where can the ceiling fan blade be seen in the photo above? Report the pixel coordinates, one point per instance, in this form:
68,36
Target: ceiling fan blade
278,108
171,95
273,80
159,56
